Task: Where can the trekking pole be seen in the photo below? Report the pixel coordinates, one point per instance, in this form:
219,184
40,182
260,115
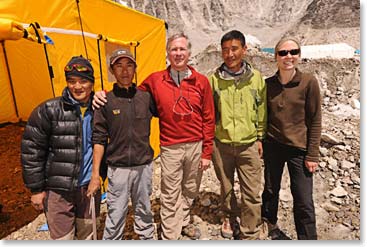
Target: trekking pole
92,209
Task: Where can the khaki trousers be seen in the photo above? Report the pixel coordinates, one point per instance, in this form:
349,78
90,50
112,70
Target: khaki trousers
245,160
180,184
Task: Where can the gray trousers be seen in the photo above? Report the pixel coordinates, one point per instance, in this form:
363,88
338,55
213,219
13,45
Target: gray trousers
123,183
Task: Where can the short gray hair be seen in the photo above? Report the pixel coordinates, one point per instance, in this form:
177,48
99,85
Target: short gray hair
177,36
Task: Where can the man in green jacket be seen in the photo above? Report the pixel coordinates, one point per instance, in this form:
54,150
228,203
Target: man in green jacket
240,102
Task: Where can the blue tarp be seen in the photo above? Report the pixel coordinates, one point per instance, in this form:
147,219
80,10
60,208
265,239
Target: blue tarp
268,50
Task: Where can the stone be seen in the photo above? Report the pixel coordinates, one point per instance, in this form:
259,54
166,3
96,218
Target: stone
339,214
340,147
285,196
322,164
355,178
323,151
329,138
356,104
205,202
339,192
333,164
346,165
329,207
337,200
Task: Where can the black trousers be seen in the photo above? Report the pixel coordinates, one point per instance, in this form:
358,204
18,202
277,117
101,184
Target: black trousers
275,156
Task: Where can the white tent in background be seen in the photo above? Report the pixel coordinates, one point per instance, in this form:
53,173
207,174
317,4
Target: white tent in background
339,50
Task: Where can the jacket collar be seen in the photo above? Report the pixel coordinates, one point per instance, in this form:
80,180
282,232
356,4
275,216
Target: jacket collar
191,79
294,81
124,92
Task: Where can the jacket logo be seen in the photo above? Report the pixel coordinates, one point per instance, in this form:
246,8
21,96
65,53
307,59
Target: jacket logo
116,111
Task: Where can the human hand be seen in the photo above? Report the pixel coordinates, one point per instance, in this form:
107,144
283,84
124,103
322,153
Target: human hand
93,186
260,148
37,200
99,99
311,166
204,164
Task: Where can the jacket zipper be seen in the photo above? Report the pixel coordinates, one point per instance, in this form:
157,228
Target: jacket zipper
79,152
129,134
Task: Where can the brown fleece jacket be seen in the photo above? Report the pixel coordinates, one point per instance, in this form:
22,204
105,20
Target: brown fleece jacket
294,112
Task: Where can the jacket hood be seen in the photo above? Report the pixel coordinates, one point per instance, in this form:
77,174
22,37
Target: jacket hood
245,74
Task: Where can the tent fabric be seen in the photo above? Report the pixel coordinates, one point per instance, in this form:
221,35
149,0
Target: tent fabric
32,72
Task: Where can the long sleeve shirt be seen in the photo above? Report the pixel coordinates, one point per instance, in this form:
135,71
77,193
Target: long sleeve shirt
185,111
294,113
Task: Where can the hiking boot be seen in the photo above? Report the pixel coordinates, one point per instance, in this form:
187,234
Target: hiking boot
226,229
191,231
275,233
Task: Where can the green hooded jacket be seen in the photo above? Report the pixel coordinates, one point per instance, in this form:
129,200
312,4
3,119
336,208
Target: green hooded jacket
240,105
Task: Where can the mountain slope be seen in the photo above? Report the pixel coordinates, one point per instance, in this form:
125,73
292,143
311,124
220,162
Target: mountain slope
205,21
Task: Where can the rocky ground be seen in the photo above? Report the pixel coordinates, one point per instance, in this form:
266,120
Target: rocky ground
336,182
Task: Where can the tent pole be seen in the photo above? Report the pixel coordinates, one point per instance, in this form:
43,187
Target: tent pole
136,74
50,71
10,80
81,27
100,62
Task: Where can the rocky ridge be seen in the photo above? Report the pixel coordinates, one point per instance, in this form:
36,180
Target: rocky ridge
311,21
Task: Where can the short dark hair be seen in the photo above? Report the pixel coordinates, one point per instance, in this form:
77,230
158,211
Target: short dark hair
234,34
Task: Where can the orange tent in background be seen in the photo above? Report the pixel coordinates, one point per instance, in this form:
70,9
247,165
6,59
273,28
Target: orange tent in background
38,38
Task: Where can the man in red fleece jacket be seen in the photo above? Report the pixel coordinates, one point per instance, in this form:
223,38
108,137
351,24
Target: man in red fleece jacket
187,121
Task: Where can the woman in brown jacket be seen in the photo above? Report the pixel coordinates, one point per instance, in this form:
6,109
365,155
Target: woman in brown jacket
293,137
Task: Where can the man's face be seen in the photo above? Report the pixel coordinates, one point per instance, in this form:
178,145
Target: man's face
178,54
80,88
233,53
124,70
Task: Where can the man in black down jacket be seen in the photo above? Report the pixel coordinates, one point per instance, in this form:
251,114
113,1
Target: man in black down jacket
124,123
56,155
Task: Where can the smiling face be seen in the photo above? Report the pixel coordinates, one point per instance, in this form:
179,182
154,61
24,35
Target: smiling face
233,53
124,70
80,88
288,62
178,53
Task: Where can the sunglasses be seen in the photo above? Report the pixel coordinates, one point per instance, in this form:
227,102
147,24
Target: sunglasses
284,53
77,67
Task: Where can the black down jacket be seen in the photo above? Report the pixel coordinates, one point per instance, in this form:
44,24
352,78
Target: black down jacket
51,147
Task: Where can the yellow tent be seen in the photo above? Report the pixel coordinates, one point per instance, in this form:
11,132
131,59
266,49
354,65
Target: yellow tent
39,37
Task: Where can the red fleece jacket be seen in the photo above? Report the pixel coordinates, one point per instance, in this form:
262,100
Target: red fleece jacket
174,104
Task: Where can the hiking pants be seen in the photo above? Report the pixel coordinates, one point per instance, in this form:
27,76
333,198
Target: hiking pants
245,159
275,156
180,184
68,215
123,183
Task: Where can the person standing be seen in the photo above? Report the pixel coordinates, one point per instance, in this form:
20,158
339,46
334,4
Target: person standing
124,124
186,121
56,155
293,137
240,105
